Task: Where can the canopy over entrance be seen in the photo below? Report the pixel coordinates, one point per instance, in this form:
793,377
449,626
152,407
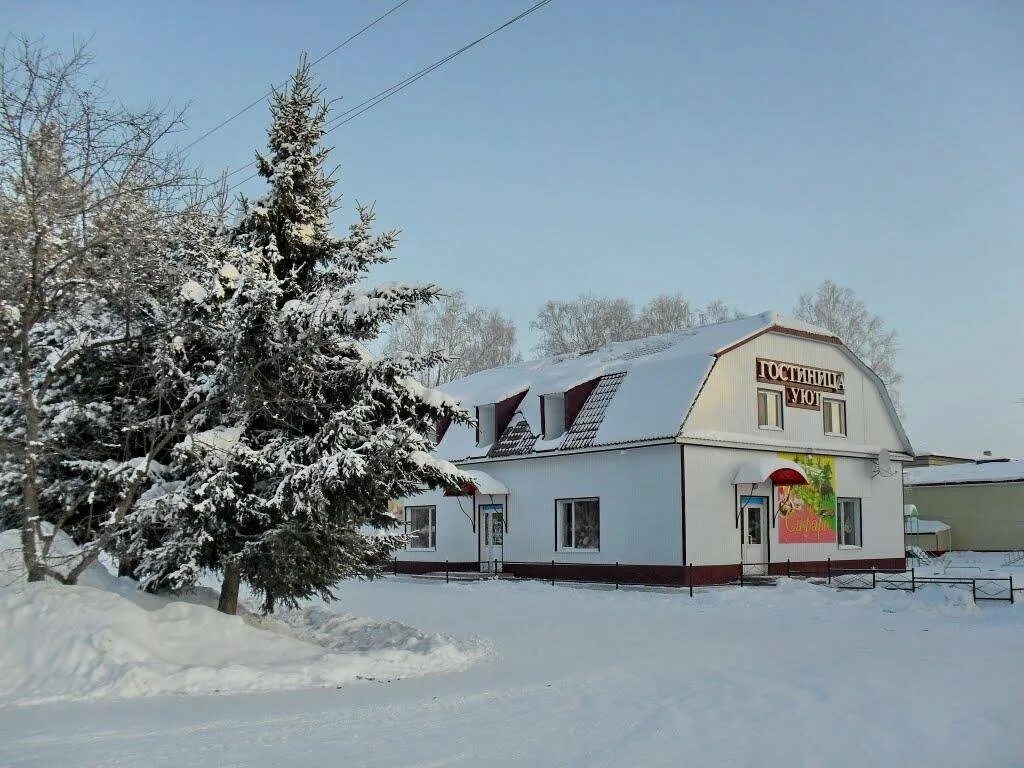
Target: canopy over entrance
765,468
481,483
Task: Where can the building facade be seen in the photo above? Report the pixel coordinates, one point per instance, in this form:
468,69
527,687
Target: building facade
756,445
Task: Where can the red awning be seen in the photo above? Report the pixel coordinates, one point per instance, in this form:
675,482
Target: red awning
480,482
468,489
787,476
770,467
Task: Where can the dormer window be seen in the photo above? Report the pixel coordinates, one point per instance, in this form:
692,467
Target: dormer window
552,415
485,426
440,428
493,419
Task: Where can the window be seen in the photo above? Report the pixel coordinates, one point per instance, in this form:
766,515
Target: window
834,412
849,523
486,432
769,409
754,525
552,416
579,524
421,527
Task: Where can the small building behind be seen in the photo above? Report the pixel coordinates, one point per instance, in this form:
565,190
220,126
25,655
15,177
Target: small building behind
936,459
981,501
931,536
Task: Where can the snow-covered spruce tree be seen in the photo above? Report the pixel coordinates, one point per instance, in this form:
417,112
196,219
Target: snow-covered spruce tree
285,486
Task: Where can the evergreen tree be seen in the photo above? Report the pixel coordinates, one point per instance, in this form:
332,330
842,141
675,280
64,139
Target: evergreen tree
284,479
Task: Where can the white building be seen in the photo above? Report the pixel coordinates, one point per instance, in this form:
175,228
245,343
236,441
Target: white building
761,441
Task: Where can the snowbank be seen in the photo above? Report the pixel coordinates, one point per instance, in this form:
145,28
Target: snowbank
109,640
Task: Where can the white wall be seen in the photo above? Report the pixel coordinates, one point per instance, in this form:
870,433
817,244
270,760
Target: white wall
455,538
711,534
728,402
639,492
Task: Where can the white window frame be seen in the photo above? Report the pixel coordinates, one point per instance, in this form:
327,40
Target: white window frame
858,506
780,411
826,413
431,527
560,524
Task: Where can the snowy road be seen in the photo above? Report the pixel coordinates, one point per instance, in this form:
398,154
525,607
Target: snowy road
797,675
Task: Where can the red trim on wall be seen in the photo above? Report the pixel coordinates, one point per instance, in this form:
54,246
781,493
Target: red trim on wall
652,575
431,566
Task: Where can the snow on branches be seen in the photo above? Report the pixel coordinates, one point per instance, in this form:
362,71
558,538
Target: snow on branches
284,482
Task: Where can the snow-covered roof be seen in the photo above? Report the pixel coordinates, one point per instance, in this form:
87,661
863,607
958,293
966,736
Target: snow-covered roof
485,484
662,378
1007,471
916,525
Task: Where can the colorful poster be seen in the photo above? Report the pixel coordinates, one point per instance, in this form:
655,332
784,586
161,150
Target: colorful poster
807,513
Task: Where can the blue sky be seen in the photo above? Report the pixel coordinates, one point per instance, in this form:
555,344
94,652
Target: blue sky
740,150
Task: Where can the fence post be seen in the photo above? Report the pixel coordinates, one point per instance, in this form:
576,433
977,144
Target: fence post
1011,589
552,573
913,580
974,590
445,571
788,573
494,568
828,569
396,565
741,573
616,574
873,572
689,577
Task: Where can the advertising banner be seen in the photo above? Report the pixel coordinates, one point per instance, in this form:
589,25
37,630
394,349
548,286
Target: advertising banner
807,513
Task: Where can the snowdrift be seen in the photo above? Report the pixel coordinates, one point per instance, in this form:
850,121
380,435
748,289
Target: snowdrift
106,639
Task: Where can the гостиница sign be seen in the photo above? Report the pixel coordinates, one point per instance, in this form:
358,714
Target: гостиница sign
803,383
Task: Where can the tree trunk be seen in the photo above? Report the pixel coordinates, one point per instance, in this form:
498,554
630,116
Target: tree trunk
127,566
33,569
228,602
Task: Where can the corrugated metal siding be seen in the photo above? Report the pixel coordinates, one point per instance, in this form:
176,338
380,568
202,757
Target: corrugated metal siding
982,516
711,533
456,540
728,402
639,492
640,505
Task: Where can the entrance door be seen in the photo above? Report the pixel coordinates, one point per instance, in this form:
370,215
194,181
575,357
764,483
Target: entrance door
492,537
755,551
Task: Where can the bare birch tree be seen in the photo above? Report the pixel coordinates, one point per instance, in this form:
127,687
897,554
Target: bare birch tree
86,192
840,311
588,321
469,339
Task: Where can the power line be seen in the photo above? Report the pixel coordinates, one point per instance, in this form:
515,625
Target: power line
313,63
387,93
364,106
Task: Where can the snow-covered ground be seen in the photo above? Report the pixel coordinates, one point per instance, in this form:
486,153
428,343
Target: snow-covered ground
105,639
797,674
974,565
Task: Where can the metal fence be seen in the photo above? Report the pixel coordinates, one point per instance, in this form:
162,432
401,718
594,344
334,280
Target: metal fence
907,579
749,574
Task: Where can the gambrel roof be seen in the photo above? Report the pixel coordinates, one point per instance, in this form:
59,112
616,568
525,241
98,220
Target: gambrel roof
638,391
